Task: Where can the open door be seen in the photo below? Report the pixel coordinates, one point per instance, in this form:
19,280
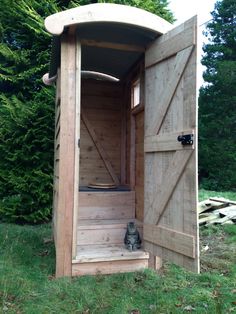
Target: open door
170,148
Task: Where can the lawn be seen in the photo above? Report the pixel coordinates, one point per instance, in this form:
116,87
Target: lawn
27,284
204,194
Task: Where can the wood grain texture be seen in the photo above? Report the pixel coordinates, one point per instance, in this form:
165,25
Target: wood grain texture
132,152
102,103
180,242
166,142
175,170
77,139
181,60
67,158
139,164
171,43
123,178
170,171
113,235
101,253
106,205
110,267
99,146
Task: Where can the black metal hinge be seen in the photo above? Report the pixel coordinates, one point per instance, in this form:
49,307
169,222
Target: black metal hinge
186,139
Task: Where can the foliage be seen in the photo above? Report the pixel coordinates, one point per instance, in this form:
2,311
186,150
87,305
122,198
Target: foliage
217,101
28,256
27,107
159,7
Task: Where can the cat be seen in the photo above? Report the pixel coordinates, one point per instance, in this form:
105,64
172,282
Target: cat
132,238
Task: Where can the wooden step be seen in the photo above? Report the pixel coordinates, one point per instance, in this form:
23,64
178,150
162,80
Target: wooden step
107,259
107,231
101,253
106,205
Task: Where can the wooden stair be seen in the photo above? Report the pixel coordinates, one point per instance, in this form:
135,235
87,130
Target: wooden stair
100,249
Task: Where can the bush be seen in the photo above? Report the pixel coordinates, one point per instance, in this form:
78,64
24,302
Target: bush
26,164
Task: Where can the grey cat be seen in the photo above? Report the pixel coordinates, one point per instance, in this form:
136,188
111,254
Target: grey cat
132,238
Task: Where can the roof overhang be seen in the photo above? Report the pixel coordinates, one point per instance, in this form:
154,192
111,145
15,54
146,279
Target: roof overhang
105,12
113,37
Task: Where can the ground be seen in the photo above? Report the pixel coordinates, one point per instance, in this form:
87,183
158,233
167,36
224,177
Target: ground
27,283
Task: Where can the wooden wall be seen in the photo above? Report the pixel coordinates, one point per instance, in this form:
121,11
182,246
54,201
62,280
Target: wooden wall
139,164
128,133
135,139
101,105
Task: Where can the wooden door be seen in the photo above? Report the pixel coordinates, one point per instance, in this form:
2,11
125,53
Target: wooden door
170,189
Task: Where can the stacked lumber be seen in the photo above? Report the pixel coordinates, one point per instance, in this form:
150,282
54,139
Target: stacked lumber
217,211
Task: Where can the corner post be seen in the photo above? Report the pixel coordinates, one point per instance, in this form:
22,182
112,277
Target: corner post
67,156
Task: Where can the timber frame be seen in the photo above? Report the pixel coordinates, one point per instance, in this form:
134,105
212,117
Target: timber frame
99,52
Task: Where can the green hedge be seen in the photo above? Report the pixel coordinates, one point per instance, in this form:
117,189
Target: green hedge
26,164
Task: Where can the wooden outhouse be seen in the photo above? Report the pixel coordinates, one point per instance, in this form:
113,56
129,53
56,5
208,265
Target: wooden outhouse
125,117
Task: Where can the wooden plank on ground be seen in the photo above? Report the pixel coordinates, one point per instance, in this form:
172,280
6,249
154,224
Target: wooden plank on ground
209,204
207,218
222,200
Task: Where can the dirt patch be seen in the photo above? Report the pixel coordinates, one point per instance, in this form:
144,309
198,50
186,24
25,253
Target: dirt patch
217,253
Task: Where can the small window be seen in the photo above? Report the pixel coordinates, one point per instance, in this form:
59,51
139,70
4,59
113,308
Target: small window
135,94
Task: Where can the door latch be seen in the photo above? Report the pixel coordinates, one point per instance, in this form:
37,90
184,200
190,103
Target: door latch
186,139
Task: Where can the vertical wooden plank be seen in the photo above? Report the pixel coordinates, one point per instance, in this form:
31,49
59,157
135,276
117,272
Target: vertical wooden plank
127,114
123,138
154,262
56,157
191,179
178,214
67,158
132,152
77,146
139,149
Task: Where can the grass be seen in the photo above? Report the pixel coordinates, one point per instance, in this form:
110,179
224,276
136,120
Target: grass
27,284
204,194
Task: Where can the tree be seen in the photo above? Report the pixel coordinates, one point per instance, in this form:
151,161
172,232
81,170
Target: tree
26,111
158,7
217,101
27,106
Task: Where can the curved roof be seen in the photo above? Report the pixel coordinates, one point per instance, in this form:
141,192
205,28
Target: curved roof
105,12
113,36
